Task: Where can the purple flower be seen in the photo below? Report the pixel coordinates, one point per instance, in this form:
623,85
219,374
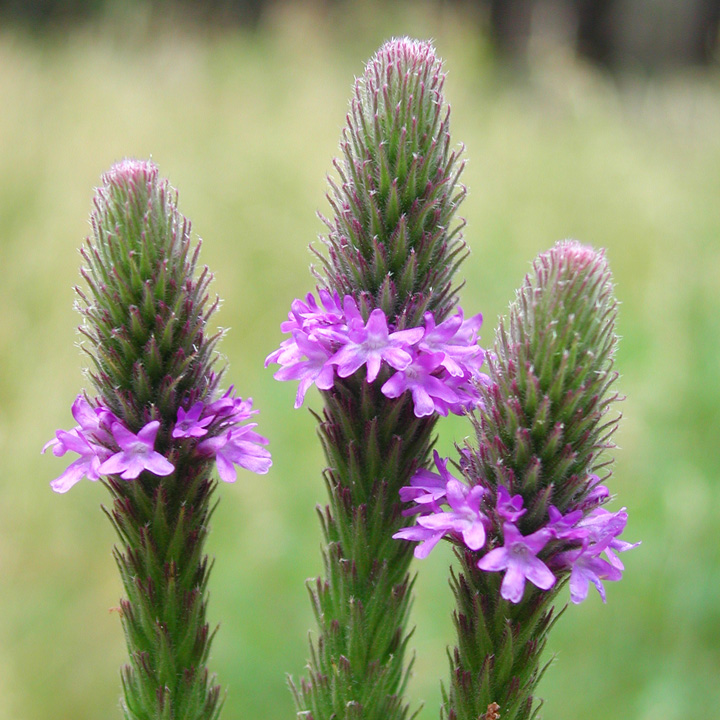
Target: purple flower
424,386
509,508
190,424
456,340
597,495
601,525
518,557
84,439
136,453
305,360
92,423
428,539
464,518
440,365
87,465
238,446
564,527
230,409
307,315
426,487
465,391
588,567
374,343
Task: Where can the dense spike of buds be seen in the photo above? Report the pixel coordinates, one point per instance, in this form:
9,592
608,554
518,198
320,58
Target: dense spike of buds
530,502
154,432
147,311
393,243
390,351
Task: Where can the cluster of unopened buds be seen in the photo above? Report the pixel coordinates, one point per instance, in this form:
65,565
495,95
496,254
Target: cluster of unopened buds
107,447
479,519
438,363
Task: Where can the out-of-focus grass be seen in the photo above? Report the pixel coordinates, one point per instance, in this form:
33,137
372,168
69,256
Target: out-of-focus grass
246,127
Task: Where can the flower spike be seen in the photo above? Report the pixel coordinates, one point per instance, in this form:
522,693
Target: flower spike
154,432
544,427
390,352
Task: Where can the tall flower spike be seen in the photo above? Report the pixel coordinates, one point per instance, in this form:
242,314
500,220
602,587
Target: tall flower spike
543,433
154,432
393,243
392,250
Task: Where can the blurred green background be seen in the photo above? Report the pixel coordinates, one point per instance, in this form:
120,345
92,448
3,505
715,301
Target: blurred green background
245,123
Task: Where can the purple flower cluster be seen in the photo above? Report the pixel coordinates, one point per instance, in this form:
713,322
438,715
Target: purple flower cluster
438,363
583,542
107,447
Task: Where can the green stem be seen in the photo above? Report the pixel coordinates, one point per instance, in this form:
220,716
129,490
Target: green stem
162,525
498,657
357,665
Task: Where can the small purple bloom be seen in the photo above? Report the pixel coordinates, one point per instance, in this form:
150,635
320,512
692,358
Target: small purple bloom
305,360
426,487
597,495
230,409
238,446
190,424
372,344
564,527
464,517
428,539
87,465
588,567
518,557
307,315
456,340
602,524
509,508
84,439
136,453
425,387
440,365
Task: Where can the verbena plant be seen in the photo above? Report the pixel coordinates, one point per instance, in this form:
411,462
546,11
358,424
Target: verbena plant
390,350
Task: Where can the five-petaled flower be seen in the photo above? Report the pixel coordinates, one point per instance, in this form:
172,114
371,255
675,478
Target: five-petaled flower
518,557
137,453
190,423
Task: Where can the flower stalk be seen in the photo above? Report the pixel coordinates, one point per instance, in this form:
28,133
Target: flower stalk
390,351
153,434
528,516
